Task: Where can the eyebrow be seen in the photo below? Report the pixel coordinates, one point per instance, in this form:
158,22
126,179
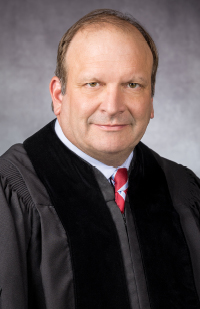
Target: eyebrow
88,77
142,79
139,78
95,79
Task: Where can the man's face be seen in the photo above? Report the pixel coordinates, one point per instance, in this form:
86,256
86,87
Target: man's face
108,104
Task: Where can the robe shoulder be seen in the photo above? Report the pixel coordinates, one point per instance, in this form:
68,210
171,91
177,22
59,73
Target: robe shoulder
19,175
183,184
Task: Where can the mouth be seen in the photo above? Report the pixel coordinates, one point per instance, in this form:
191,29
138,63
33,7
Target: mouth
107,127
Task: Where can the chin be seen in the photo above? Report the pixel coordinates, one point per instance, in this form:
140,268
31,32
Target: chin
110,149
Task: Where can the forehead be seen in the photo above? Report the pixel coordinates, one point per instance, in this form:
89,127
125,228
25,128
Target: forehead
97,44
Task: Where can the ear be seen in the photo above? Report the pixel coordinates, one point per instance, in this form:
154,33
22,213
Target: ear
152,109
56,95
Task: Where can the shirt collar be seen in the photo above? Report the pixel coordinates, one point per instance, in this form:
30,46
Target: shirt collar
106,170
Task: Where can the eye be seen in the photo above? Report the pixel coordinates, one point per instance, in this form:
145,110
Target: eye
133,85
93,84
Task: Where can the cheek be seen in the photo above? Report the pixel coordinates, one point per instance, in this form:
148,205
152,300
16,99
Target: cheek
83,108
142,109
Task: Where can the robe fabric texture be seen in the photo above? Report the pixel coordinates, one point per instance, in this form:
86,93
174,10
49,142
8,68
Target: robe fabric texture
65,244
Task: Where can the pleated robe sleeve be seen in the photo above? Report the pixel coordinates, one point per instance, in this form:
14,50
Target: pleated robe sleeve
16,217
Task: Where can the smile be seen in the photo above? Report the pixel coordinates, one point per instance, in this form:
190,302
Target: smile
111,127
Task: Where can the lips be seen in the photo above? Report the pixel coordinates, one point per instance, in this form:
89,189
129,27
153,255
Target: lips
107,127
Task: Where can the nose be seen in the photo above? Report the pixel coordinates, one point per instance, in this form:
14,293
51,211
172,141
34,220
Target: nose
113,101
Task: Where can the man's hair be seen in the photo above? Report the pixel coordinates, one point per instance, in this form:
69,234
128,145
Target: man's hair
99,17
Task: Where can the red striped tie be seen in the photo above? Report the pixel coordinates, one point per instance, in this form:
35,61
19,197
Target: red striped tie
120,181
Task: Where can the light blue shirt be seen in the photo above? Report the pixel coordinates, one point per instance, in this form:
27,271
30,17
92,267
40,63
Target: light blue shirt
106,170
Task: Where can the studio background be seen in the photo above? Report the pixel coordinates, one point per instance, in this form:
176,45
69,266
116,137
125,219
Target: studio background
29,36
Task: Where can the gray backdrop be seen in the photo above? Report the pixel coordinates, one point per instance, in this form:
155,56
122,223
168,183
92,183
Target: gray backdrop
30,31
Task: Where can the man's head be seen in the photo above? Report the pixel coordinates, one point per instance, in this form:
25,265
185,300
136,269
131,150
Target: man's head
103,91
98,17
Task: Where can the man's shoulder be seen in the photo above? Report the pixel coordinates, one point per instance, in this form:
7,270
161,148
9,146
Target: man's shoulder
18,172
15,160
16,155
174,168
182,182
168,165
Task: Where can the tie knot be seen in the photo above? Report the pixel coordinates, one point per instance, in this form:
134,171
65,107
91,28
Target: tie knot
120,182
120,178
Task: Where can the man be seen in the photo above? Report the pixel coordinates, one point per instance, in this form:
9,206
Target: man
91,217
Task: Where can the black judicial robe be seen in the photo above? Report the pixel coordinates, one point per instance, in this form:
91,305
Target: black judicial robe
65,244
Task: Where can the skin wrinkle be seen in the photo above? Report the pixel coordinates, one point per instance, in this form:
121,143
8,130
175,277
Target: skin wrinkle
83,110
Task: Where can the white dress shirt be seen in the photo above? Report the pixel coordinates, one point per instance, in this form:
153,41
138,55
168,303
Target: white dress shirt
106,170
